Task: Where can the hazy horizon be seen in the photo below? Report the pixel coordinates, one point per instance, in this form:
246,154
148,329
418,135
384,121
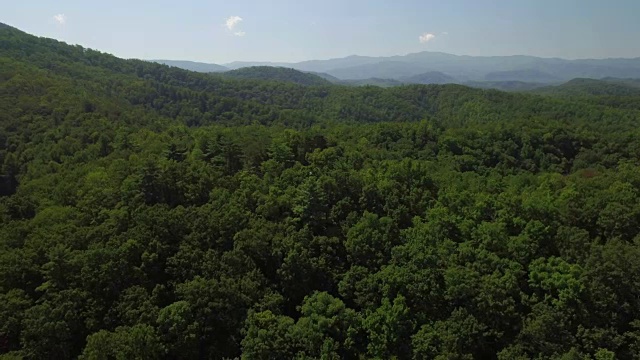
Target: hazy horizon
293,31
374,56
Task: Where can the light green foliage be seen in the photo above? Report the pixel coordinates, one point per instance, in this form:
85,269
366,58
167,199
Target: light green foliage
388,328
460,336
558,280
268,336
139,342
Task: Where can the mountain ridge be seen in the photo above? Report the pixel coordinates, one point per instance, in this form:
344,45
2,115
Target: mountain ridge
464,68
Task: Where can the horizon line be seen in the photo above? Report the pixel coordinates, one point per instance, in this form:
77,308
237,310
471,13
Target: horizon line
331,58
392,56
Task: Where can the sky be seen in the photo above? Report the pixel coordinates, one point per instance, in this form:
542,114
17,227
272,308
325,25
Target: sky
219,32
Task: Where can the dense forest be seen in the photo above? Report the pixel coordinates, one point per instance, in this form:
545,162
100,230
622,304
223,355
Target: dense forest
149,212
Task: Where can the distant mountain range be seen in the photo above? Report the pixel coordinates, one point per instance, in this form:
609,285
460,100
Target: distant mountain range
442,67
431,77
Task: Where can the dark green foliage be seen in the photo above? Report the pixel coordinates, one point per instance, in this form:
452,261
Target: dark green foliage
149,212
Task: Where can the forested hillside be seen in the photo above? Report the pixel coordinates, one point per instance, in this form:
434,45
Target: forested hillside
269,73
149,212
611,92
193,66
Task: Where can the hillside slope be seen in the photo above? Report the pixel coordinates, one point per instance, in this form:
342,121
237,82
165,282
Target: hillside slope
193,66
592,87
611,92
277,74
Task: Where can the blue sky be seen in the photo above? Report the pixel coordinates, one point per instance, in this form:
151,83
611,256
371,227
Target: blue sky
296,30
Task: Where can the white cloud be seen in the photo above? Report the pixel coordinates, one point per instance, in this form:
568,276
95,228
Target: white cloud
232,22
60,19
445,33
426,37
